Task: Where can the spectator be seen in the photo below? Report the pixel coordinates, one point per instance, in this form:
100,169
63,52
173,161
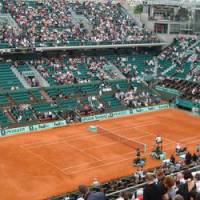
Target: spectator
197,180
151,191
96,184
88,195
188,158
188,187
169,184
172,159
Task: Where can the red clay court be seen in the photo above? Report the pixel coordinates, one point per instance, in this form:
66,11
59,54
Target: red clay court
40,165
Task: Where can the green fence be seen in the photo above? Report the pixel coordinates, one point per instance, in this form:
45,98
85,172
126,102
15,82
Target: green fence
39,127
168,90
123,113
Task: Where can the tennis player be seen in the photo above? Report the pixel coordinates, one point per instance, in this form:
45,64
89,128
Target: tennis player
159,141
138,153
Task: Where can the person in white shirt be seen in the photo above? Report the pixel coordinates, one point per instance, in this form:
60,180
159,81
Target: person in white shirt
178,148
159,141
96,183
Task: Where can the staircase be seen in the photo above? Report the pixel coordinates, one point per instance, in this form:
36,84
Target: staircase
20,77
128,10
46,96
80,19
155,73
8,20
110,69
42,81
168,70
9,115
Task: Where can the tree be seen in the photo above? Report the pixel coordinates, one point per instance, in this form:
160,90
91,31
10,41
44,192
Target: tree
138,9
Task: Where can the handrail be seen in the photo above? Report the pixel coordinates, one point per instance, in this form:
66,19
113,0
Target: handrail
98,46
143,184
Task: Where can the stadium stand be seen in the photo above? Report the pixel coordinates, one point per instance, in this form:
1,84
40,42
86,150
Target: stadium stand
85,83
107,82
5,121
190,91
133,187
53,23
8,80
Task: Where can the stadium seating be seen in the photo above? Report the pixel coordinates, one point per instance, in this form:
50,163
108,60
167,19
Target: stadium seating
175,60
36,94
8,78
111,102
20,96
62,28
23,116
88,80
85,83
4,120
3,100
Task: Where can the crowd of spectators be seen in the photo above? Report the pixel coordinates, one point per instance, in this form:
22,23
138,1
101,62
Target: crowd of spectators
25,113
51,23
22,113
177,50
195,75
178,53
70,70
65,69
173,180
41,23
189,90
111,24
131,65
135,99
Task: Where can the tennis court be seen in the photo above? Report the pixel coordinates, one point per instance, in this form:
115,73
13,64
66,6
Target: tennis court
42,164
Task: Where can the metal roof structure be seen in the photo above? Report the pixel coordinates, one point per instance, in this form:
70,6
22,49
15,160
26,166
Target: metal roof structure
182,3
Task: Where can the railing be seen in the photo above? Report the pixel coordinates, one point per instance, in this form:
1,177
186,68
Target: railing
133,188
78,47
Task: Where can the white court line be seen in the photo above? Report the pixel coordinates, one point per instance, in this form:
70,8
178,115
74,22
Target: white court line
77,134
192,141
132,152
150,124
165,138
83,152
57,142
133,139
118,161
190,138
182,140
70,136
46,161
143,136
113,157
61,141
107,164
135,126
102,160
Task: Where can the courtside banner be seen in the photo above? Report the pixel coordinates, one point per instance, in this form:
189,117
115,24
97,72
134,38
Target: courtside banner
37,127
123,113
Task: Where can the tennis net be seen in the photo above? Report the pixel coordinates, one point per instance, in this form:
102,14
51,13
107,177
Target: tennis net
131,143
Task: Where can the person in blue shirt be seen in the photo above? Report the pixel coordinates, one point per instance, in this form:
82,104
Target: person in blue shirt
89,195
